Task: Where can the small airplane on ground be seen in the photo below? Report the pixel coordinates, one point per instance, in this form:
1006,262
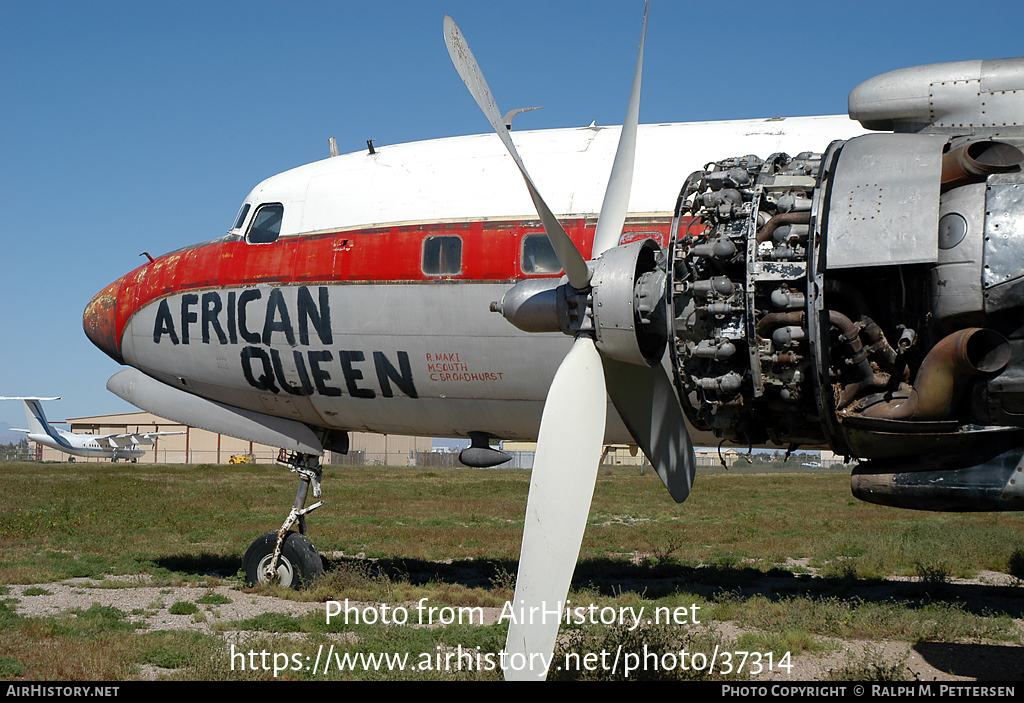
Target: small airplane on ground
862,295
127,447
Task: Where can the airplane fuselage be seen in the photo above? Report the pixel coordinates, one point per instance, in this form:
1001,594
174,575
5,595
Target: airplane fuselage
369,310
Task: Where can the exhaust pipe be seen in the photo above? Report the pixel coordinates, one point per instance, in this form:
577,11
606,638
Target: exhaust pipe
867,378
940,380
787,218
974,161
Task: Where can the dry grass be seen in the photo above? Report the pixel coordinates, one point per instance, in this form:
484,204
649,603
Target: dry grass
60,521
453,535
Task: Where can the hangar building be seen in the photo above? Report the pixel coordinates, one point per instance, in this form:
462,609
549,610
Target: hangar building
197,446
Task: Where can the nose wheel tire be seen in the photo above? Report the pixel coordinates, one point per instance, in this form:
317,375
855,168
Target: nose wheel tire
298,566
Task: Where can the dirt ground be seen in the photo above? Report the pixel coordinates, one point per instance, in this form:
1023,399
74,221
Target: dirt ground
925,661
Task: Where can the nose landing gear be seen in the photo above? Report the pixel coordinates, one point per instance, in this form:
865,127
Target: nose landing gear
288,557
298,562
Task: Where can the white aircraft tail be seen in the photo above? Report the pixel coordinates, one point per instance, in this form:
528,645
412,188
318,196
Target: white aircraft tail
37,423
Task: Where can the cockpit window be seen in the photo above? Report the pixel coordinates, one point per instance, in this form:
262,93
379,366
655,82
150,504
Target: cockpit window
538,255
442,256
266,224
240,220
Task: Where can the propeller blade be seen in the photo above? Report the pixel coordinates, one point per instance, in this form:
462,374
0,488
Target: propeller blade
649,407
620,182
569,257
561,488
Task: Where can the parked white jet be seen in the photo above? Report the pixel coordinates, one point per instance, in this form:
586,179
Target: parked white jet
111,446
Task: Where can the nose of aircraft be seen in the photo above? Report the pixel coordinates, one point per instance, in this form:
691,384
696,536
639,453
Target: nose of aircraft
100,321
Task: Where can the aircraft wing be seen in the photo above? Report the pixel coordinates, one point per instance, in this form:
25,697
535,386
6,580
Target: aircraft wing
125,441
148,437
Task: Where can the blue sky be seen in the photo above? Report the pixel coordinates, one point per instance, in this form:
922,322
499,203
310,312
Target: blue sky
140,126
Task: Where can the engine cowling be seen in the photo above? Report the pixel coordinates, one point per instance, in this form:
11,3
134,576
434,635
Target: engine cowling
867,298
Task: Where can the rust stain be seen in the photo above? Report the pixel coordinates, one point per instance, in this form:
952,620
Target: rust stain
100,321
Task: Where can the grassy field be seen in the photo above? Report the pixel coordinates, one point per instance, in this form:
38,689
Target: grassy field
453,536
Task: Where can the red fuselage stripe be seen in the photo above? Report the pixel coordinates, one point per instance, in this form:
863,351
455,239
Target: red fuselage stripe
491,251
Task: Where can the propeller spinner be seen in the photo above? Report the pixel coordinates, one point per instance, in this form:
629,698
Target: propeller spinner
610,306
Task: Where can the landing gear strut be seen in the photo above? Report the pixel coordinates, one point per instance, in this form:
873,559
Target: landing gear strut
287,557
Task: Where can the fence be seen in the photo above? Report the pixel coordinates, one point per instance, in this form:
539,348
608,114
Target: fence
423,460
706,462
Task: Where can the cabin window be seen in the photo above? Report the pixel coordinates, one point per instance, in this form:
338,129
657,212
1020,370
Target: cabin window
266,224
442,256
240,220
538,255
